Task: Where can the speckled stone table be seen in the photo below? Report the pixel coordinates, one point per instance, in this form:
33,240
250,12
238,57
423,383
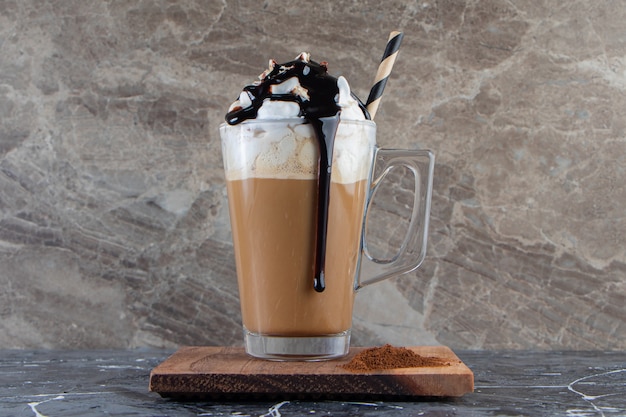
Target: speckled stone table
104,383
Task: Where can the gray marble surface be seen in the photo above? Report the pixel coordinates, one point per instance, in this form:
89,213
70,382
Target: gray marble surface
114,228
507,383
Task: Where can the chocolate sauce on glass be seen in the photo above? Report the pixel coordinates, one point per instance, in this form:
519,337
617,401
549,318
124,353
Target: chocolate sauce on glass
325,129
318,106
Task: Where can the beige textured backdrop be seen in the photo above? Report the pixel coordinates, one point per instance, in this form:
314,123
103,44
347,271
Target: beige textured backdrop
113,217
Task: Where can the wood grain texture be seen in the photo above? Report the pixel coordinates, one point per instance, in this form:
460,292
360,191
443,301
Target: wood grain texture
228,373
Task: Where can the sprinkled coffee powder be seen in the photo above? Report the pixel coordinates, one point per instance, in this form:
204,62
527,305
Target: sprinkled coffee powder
390,357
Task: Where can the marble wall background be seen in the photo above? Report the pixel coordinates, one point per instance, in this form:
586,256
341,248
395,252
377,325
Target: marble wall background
113,217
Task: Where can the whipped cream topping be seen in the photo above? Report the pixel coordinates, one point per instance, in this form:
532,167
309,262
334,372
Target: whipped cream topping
289,150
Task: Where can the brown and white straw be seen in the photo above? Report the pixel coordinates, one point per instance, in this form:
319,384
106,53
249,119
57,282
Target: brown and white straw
384,69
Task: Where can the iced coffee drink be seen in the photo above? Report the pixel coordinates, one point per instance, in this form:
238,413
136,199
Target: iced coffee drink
271,173
298,154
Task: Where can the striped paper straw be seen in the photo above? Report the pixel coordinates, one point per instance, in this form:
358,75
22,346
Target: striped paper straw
384,69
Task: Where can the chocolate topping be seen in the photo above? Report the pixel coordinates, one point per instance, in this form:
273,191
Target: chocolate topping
316,93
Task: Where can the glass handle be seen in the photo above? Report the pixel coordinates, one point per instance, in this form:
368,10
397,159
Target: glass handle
412,251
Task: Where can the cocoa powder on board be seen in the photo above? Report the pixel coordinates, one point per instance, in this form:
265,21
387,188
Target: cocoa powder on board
391,357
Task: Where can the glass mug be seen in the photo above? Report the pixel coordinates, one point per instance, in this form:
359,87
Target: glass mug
272,184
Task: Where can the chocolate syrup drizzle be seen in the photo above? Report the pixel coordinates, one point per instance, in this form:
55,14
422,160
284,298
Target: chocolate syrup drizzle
318,107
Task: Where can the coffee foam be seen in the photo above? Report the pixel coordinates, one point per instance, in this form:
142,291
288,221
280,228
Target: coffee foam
289,150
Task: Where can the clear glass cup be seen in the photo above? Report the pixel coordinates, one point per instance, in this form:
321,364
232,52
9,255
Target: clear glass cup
271,171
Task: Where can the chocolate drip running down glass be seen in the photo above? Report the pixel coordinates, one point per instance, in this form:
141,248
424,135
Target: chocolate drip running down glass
300,157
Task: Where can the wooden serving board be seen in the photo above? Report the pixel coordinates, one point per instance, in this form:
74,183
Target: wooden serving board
228,373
